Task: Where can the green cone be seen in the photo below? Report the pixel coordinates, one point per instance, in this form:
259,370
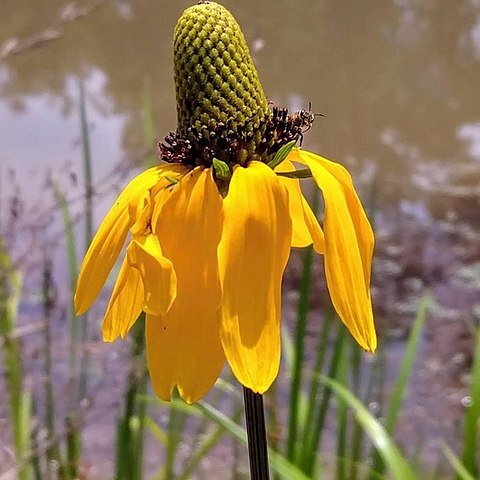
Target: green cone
216,82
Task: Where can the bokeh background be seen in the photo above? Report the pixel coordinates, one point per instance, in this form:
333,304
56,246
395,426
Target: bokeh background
398,82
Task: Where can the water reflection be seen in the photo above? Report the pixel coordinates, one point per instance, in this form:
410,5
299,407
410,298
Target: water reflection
397,80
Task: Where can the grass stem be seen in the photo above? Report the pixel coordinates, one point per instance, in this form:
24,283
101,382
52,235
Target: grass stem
19,400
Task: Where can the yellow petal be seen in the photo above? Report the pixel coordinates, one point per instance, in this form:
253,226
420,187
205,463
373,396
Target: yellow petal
305,227
253,254
140,212
349,245
157,273
184,346
110,237
159,199
125,303
314,228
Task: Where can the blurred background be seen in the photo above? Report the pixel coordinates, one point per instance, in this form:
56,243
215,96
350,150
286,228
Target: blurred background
86,91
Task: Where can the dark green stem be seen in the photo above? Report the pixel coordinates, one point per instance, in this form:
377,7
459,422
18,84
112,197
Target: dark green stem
87,171
130,427
256,435
53,452
297,371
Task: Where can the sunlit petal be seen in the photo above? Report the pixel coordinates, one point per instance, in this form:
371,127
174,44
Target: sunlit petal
348,246
125,303
253,253
305,227
159,199
157,273
314,228
362,226
140,212
184,346
110,237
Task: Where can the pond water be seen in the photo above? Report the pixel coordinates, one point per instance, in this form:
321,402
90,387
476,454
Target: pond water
398,83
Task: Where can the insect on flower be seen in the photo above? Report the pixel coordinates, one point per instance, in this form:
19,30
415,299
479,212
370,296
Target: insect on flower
304,119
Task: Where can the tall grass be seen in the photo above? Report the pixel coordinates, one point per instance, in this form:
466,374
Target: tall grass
88,232
471,456
19,397
53,450
130,426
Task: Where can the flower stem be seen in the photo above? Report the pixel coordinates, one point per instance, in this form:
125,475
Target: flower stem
256,435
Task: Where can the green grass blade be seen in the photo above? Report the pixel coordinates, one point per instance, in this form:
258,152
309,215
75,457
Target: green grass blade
210,441
316,428
342,417
472,416
53,452
375,382
74,445
122,450
156,430
355,364
299,347
278,463
312,401
392,457
74,435
176,425
200,452
399,389
130,427
460,469
87,164
24,424
62,204
88,181
137,423
288,352
18,399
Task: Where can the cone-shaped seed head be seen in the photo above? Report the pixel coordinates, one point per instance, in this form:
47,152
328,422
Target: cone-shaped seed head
215,79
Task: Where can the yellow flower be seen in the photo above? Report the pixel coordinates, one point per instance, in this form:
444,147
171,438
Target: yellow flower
210,231
208,270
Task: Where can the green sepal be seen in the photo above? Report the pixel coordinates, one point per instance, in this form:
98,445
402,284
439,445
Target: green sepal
282,154
304,173
222,170
172,180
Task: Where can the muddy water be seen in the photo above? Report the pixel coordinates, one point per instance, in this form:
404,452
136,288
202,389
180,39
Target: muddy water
396,80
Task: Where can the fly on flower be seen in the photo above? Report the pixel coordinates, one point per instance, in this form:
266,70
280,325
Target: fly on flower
209,231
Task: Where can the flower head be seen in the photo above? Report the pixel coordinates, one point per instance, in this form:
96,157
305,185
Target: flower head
211,229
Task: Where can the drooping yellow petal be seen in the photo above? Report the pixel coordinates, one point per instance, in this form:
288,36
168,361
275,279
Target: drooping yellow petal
184,346
125,303
110,237
157,273
305,227
314,228
349,245
363,229
140,212
253,254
